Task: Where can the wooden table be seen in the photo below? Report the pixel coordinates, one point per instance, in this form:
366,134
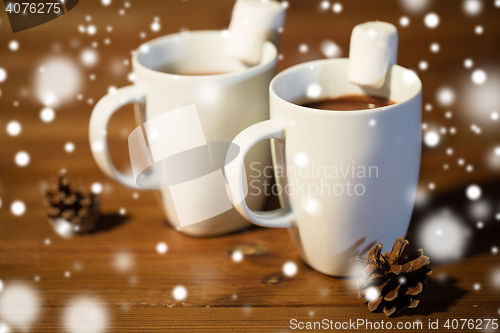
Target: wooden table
119,266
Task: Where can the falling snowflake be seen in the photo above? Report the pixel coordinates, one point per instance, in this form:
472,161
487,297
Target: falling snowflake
473,192
69,147
445,96
131,77
155,26
3,74
48,87
423,65
431,20
4,328
404,21
372,294
13,45
96,188
180,293
301,160
480,209
476,129
324,5
443,236
330,49
415,6
337,8
19,305
421,197
237,256
123,261
91,29
435,47
313,90
88,57
431,138
303,48
312,206
18,208
161,247
495,276
22,158
479,77
290,268
472,7
85,314
13,128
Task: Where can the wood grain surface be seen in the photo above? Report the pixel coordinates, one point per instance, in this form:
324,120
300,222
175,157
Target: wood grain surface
118,265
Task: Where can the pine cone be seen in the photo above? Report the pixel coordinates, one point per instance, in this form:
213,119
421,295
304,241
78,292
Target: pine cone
75,206
393,280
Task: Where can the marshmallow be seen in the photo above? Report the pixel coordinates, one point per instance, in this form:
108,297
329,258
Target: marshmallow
252,23
373,49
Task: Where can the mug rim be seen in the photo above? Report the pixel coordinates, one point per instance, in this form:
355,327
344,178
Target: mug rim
261,67
301,66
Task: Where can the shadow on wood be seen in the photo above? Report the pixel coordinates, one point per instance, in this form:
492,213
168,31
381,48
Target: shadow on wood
476,217
109,221
440,294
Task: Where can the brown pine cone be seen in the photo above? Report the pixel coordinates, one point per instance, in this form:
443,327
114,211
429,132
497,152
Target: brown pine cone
74,206
394,280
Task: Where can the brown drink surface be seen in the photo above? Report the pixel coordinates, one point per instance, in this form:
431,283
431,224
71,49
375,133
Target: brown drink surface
350,103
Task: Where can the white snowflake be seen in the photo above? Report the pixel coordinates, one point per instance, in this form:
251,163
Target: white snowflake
473,192
404,21
13,128
431,20
161,247
13,45
19,305
85,314
290,268
180,293
479,77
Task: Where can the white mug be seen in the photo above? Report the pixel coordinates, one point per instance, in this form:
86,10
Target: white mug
226,103
315,153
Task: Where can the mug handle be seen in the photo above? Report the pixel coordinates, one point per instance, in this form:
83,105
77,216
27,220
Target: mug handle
99,119
269,129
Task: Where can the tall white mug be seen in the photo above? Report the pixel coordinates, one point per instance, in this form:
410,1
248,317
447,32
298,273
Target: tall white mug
230,98
347,179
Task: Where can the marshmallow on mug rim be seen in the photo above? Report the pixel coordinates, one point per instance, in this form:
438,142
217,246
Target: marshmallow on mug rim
252,23
373,49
